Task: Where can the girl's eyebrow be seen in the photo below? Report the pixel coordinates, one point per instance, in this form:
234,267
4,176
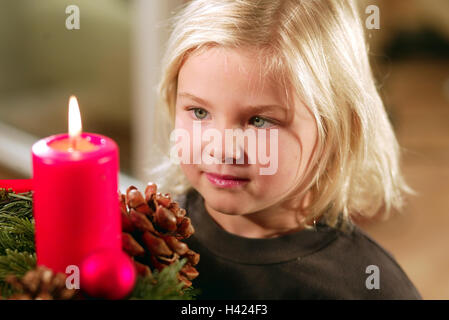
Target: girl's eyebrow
250,108
194,98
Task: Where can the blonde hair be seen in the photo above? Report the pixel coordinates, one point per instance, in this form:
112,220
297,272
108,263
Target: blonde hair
317,50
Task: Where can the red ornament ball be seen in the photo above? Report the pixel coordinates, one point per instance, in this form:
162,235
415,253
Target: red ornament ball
107,274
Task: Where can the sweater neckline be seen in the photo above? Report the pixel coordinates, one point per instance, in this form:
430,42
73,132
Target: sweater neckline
251,250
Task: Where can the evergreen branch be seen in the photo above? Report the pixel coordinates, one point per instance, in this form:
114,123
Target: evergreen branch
17,226
16,234
13,243
8,195
163,285
16,263
19,205
20,196
16,222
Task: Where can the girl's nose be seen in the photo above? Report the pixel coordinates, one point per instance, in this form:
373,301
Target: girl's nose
233,154
228,150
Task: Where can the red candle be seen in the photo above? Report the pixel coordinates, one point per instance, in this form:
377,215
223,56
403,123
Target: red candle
76,203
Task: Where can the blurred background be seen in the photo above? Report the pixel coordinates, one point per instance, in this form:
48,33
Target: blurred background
112,65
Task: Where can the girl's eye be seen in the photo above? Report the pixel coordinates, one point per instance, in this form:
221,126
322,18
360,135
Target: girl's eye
199,113
260,122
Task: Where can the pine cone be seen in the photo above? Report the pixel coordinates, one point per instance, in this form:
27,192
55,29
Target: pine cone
153,229
41,284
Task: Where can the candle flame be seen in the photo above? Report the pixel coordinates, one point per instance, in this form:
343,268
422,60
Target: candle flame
75,126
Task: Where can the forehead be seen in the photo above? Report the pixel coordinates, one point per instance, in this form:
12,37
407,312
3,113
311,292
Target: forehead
236,73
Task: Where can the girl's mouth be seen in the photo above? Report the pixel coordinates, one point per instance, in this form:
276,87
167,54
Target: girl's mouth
225,181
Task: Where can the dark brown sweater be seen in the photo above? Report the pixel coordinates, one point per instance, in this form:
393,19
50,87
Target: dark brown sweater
310,264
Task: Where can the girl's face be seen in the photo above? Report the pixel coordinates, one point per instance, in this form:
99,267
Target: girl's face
226,89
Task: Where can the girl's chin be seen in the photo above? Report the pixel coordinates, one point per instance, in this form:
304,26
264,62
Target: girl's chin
226,205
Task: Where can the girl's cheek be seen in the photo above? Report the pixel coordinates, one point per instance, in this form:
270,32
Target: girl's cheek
269,145
181,120
288,154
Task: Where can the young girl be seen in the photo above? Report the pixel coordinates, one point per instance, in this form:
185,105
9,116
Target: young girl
299,69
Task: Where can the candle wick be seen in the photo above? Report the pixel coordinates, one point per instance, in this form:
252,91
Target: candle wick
73,142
